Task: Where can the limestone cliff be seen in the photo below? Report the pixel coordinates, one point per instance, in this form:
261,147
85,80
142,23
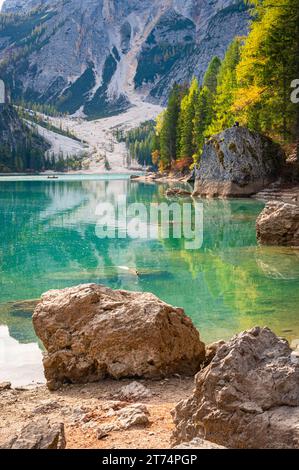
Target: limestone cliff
94,55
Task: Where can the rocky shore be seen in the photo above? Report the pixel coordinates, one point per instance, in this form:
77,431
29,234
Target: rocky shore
244,395
90,413
238,163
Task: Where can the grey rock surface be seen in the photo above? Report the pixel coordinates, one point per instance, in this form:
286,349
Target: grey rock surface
278,224
247,397
39,435
237,162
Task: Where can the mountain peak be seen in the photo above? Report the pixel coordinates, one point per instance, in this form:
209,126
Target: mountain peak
95,56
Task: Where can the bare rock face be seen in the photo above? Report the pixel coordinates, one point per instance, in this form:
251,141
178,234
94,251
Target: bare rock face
236,163
91,332
120,48
248,396
39,435
278,224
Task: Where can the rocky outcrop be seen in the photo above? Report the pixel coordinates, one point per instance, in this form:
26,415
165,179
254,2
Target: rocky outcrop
248,397
91,332
39,435
91,55
236,163
278,224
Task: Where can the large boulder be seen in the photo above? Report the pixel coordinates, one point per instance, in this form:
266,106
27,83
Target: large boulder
237,162
91,332
278,224
248,396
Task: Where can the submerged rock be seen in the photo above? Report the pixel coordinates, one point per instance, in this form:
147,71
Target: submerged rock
248,396
237,162
39,435
278,224
91,332
177,192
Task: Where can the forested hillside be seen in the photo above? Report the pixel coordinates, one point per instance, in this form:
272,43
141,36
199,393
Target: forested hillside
140,142
251,86
21,148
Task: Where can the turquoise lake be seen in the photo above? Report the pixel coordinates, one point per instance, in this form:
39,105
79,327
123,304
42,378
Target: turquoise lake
48,240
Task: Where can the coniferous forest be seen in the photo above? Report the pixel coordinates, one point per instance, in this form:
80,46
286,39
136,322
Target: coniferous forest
252,86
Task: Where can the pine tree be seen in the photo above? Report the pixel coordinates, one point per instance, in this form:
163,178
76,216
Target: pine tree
269,63
223,116
210,77
186,146
168,133
204,106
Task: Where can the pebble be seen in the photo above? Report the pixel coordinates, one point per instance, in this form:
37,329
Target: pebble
295,344
104,430
295,357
